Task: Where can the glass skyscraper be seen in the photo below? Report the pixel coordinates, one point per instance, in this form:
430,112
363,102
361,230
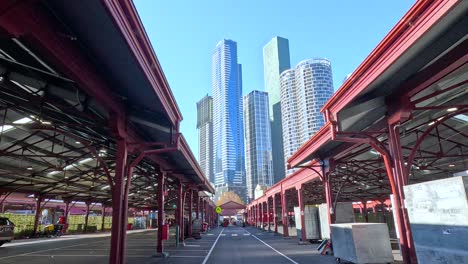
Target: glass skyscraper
205,136
275,61
228,133
304,90
258,150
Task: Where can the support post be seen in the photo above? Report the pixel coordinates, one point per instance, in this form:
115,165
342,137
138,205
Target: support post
401,179
190,213
275,221
103,218
329,201
300,198
67,208
161,183
284,213
38,212
261,214
364,211
179,211
117,250
86,217
268,214
197,210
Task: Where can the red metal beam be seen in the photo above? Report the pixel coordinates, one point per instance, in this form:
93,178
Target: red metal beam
128,22
414,24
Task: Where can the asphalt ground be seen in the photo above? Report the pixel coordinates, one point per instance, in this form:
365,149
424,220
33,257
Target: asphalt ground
220,245
234,245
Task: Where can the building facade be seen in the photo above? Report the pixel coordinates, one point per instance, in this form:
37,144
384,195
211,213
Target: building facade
304,90
258,145
205,136
276,60
228,132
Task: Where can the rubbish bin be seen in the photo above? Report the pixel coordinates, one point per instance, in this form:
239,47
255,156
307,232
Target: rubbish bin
129,226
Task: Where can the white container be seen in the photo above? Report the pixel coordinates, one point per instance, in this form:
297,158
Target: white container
438,215
312,224
344,214
362,243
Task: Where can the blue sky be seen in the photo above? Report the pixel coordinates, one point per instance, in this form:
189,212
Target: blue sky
184,33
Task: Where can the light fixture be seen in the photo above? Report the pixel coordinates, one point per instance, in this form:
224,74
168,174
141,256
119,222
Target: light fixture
53,173
69,167
85,160
29,168
23,120
431,123
77,142
451,165
6,128
105,187
452,109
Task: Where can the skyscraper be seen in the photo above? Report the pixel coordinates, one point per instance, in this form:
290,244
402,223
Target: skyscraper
275,61
205,135
228,133
258,150
304,90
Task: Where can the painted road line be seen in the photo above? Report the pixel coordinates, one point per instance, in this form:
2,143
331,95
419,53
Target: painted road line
45,250
234,235
223,234
246,234
212,247
172,256
192,245
273,248
211,234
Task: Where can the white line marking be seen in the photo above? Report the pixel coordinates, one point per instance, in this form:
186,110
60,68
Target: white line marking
210,234
172,256
45,250
192,245
234,235
273,248
55,256
223,234
212,247
246,234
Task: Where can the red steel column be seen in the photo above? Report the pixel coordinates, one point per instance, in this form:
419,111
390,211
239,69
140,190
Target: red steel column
38,212
67,208
261,215
180,211
329,201
268,213
284,213
401,179
275,222
300,197
117,249
190,213
197,211
364,211
103,217
161,183
86,217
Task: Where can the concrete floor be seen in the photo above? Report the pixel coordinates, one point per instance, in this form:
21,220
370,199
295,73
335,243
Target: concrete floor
221,245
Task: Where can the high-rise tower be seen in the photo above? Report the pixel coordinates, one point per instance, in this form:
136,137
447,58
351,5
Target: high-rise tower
258,150
275,61
304,90
228,134
205,136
